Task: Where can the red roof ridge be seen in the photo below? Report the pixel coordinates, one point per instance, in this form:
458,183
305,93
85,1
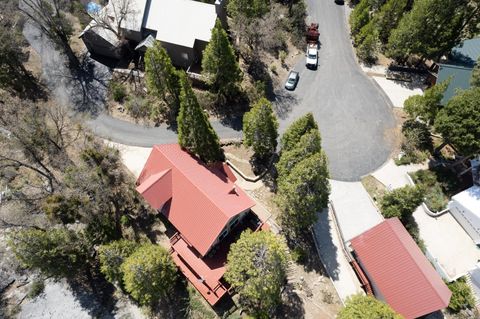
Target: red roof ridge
213,201
391,222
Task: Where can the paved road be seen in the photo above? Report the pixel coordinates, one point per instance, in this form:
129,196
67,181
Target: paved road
354,115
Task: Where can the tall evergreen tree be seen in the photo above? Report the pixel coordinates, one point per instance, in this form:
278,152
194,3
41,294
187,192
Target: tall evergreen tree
195,133
296,130
433,27
304,193
459,122
260,129
219,63
359,17
388,18
162,78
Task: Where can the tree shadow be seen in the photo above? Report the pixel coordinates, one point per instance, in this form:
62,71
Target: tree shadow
292,304
283,102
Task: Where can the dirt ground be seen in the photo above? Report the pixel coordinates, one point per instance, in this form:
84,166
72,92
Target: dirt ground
240,156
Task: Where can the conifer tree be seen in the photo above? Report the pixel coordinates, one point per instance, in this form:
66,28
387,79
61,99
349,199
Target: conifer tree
219,63
195,133
296,130
260,129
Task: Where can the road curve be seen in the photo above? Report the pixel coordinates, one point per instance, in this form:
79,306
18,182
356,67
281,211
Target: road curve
354,114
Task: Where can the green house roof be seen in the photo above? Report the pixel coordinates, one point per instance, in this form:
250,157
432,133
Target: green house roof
459,67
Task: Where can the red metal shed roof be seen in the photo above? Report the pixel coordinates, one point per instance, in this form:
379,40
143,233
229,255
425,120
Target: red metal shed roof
403,276
203,199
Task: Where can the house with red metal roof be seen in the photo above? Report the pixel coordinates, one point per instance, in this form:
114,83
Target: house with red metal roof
206,209
398,271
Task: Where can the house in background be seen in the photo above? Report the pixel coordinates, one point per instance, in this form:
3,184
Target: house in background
183,27
205,207
397,271
459,67
465,207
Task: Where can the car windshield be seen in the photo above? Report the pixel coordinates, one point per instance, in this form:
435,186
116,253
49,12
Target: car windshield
291,80
312,56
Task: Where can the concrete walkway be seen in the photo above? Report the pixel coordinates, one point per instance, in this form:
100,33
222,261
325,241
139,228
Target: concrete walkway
393,176
333,258
354,209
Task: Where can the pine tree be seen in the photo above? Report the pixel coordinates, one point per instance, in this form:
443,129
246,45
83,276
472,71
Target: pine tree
304,193
260,129
256,267
162,78
296,130
388,18
195,133
359,17
219,63
426,106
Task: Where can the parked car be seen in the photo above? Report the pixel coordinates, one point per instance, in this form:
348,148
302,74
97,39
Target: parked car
292,80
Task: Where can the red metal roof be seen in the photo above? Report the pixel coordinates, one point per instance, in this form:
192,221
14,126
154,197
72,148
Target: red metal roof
203,199
397,268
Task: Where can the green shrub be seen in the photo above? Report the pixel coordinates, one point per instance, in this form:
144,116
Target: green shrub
401,202
462,296
138,107
37,287
118,91
417,142
112,256
282,55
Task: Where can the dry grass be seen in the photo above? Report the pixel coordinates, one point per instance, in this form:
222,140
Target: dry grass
374,187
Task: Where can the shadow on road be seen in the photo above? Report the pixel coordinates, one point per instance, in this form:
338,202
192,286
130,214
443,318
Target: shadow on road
283,103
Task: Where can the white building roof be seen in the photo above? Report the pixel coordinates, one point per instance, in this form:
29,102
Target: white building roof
134,12
469,199
181,22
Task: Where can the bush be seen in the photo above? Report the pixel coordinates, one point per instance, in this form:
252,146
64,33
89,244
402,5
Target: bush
112,256
118,91
282,55
37,287
462,297
435,199
149,274
401,202
138,107
366,307
417,142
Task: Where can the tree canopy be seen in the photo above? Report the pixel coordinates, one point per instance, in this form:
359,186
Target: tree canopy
256,268
296,130
304,193
248,8
162,79
195,133
459,122
149,274
426,106
260,129
112,256
402,202
56,252
366,307
219,63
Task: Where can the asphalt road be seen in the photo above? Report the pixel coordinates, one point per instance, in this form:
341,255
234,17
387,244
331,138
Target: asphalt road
354,115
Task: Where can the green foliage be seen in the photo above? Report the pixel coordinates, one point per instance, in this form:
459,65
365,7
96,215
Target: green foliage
37,287
366,307
138,107
118,91
56,252
462,296
59,207
475,79
359,17
195,133
417,143
309,144
459,122
162,79
426,106
297,25
149,274
248,8
367,43
402,202
432,28
260,129
256,268
296,130
219,63
435,198
304,193
388,18
112,256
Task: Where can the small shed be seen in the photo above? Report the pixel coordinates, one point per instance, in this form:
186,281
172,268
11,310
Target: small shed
465,207
398,271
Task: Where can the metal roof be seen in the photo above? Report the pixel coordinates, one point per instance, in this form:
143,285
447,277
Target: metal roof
460,79
466,53
400,274
469,199
200,200
180,22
